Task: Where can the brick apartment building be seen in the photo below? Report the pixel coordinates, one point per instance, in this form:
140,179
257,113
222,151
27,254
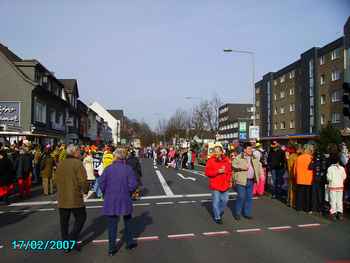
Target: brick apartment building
306,95
234,122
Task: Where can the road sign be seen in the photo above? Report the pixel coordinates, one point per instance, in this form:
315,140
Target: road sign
242,126
253,132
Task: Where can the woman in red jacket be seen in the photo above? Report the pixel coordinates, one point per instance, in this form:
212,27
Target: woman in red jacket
219,171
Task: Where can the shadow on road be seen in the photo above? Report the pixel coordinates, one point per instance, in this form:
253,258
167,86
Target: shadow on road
138,226
13,218
94,230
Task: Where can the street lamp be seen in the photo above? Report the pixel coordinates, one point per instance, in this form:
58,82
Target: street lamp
252,54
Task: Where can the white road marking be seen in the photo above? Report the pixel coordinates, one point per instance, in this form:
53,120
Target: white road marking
147,238
164,184
142,204
206,201
181,236
1,247
35,203
187,202
248,230
186,178
20,211
309,225
102,241
279,228
94,206
219,233
2,212
165,203
194,172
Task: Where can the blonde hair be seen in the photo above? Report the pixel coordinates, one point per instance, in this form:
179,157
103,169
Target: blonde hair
119,154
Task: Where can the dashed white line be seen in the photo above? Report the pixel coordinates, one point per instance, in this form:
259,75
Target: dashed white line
165,203
94,206
309,225
248,230
164,184
181,236
277,228
187,202
206,201
102,241
152,238
219,233
142,204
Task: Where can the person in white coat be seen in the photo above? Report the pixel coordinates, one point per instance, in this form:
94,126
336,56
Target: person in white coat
336,176
88,163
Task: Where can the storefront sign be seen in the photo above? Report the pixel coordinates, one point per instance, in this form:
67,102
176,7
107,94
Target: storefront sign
243,136
10,113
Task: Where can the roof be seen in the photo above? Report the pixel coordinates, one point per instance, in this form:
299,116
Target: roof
118,114
70,85
9,54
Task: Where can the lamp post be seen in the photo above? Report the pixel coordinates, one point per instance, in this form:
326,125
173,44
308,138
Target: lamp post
252,54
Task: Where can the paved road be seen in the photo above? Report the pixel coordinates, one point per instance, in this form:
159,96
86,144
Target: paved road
172,223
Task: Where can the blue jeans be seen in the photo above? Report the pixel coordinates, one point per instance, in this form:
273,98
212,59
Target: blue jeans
244,202
277,179
113,230
97,188
220,200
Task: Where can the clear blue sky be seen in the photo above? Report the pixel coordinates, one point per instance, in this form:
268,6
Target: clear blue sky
146,56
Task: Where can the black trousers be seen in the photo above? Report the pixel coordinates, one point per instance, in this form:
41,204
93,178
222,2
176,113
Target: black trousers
303,198
79,221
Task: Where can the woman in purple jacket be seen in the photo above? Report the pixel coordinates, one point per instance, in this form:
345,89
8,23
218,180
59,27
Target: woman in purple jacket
117,183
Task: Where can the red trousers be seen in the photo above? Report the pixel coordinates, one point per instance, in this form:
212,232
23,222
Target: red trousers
24,185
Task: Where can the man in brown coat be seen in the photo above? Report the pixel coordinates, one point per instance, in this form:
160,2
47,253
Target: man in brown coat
46,170
72,184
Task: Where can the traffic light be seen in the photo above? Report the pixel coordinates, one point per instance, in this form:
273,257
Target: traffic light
346,99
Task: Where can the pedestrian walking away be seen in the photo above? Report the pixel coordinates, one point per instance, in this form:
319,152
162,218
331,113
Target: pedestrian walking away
219,171
71,180
117,182
46,170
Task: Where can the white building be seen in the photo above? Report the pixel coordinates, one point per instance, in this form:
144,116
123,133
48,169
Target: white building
113,123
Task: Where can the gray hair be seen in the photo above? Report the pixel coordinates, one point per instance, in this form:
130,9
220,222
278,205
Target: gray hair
309,148
119,154
72,149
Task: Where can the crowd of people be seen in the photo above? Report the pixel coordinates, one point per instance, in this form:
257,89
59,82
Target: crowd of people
300,175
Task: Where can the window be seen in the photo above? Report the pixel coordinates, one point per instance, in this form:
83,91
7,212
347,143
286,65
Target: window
335,54
257,103
291,92
235,125
257,91
53,116
275,96
258,116
292,107
282,79
282,94
323,99
335,117
39,112
291,74
283,125
275,112
291,124
336,96
275,82
335,75
322,119
282,110
275,126
322,79
322,60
